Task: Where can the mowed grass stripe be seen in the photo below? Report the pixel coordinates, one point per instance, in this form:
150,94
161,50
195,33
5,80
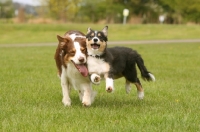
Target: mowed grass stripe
31,95
46,33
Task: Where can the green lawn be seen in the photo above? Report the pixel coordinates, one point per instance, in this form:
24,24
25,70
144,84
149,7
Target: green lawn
30,94
45,33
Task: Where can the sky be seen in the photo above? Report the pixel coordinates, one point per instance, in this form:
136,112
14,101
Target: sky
30,2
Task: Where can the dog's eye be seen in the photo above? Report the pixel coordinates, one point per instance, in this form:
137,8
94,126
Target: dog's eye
100,37
72,52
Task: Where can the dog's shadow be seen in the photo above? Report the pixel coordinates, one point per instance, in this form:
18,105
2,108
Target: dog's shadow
112,100
116,102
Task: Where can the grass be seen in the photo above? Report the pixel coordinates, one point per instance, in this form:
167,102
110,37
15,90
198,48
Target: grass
45,33
31,95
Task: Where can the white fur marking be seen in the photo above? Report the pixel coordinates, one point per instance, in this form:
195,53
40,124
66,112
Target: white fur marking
96,38
73,36
65,88
140,95
152,77
93,78
128,88
97,66
78,53
86,99
109,83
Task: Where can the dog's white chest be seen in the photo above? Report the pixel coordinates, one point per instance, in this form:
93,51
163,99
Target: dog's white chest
98,66
74,78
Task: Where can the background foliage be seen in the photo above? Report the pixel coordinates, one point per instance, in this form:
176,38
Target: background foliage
110,11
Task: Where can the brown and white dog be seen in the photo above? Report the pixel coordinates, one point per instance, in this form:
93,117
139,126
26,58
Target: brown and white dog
113,63
70,57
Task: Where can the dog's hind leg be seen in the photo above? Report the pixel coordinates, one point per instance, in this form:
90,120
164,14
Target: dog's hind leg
140,90
128,86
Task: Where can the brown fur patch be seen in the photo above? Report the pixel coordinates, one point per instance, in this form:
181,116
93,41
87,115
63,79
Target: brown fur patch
65,49
62,55
99,35
92,34
102,45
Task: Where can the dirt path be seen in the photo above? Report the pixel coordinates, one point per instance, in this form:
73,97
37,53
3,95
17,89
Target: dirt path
110,42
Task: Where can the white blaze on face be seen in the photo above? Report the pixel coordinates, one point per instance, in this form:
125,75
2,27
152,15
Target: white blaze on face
78,54
95,38
73,36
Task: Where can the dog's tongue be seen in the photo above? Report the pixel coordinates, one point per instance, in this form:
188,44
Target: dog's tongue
82,69
95,46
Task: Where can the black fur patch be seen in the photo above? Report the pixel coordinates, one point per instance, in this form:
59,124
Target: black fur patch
98,34
123,63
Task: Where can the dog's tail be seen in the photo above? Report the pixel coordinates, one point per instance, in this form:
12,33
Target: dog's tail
146,75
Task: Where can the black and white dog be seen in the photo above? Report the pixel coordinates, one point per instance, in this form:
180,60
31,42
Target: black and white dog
113,63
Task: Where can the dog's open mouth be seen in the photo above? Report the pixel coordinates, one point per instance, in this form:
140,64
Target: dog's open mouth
95,46
82,69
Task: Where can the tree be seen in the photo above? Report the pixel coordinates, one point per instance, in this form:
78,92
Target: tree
176,11
6,9
183,10
95,11
63,9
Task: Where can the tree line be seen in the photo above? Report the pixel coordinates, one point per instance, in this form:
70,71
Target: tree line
111,11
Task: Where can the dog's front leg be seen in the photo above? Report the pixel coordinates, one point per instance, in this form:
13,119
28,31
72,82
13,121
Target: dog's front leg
81,94
95,78
65,90
109,83
87,94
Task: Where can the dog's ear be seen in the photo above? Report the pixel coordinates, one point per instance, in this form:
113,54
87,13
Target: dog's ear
89,30
60,39
105,31
63,41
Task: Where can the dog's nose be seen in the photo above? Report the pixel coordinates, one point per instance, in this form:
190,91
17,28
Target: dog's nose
81,59
95,39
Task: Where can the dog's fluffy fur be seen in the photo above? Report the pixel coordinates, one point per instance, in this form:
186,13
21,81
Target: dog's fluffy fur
113,63
70,58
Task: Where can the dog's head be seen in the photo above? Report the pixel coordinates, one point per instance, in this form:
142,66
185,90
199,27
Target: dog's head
96,41
73,52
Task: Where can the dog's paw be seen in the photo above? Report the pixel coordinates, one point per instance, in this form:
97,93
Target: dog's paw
109,89
109,85
140,95
66,102
95,79
128,89
86,103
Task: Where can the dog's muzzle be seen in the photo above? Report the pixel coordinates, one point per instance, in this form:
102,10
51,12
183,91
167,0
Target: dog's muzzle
95,46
